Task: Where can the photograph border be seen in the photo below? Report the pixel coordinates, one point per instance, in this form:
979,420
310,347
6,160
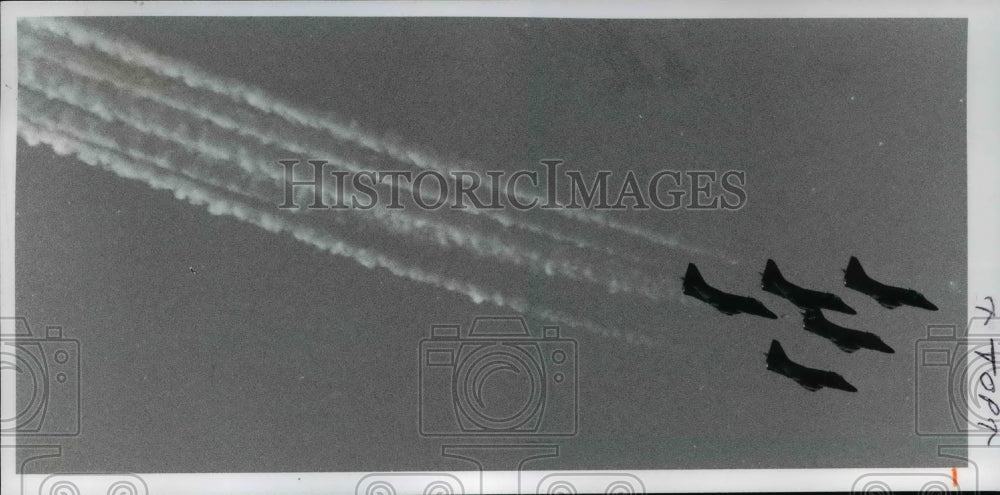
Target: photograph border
983,273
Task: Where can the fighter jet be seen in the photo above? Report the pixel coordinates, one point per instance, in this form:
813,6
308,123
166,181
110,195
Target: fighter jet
773,282
810,378
848,340
886,295
730,304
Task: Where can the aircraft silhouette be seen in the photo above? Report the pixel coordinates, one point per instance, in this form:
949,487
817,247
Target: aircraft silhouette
810,378
730,304
772,281
848,340
886,295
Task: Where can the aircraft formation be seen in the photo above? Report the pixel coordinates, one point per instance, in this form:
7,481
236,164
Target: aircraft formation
812,303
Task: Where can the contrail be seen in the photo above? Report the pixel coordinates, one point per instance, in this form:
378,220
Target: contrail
150,149
195,78
75,124
219,203
245,123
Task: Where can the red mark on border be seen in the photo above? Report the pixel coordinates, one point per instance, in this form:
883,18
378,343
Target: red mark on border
954,477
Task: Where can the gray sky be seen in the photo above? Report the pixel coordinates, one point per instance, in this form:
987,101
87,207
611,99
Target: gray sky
277,357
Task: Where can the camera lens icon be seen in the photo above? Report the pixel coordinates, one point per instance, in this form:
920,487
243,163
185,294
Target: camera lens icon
497,379
956,382
499,387
910,482
607,483
83,484
424,483
46,373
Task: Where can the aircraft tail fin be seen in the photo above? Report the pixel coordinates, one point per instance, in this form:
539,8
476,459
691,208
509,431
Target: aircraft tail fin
776,353
854,271
771,273
693,276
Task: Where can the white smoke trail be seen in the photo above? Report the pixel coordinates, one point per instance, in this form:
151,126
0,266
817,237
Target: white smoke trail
279,134
195,78
221,204
400,222
74,123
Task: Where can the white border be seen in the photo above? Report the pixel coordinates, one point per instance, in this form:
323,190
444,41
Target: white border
983,97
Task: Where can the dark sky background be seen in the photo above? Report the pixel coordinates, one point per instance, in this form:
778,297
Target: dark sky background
277,357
